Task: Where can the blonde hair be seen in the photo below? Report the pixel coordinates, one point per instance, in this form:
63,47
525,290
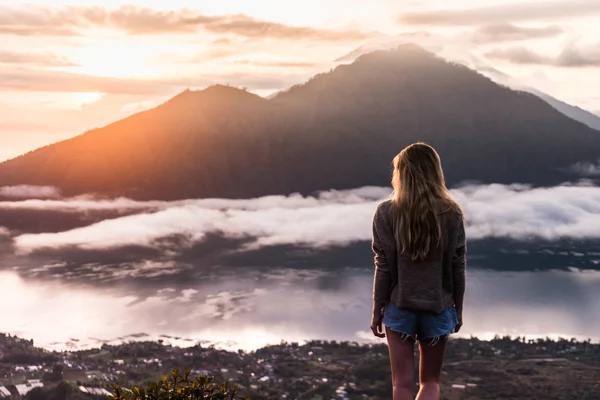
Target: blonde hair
420,197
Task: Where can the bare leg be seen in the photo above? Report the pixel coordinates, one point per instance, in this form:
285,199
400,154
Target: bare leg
402,363
430,368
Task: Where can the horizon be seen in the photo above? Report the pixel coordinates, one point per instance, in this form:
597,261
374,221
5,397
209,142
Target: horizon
89,64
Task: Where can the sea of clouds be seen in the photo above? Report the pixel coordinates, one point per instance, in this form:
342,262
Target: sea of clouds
331,218
178,296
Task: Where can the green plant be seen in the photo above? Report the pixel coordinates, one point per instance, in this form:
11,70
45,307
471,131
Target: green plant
178,386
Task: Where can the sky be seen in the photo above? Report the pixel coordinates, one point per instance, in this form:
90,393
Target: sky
70,66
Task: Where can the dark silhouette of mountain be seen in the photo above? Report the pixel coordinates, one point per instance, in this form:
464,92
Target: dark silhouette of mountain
339,130
437,44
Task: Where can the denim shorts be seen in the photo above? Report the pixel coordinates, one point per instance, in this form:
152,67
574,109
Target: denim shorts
420,325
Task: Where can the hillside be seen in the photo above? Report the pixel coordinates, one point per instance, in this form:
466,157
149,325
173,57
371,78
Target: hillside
339,130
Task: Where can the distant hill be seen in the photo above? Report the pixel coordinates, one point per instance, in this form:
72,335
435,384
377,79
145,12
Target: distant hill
339,130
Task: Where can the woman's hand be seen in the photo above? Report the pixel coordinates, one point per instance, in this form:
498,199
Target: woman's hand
377,322
460,323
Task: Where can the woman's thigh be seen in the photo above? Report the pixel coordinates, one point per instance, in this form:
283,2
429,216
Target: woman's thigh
432,360
402,355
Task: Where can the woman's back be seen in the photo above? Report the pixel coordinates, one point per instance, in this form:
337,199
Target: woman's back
428,284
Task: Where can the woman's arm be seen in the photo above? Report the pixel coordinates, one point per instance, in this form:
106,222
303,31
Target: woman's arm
459,267
382,281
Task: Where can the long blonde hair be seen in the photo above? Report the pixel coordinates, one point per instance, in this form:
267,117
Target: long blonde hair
420,197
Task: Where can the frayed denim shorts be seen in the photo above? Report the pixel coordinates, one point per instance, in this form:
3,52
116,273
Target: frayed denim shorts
420,325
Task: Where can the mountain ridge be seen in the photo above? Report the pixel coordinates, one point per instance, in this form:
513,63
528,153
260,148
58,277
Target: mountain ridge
339,130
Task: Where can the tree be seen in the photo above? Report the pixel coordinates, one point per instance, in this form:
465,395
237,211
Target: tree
178,386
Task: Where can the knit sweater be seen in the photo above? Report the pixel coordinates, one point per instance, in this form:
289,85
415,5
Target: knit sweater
430,285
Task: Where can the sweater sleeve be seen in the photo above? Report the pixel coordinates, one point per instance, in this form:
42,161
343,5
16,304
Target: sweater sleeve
382,281
459,265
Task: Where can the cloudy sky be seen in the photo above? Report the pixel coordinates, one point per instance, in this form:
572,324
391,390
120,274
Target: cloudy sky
67,66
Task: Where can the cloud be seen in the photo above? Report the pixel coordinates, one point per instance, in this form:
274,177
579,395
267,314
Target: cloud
136,20
505,32
572,56
33,59
81,204
29,192
30,79
278,64
519,55
139,106
238,51
87,203
37,21
587,169
39,80
140,21
541,11
519,212
267,219
336,218
211,55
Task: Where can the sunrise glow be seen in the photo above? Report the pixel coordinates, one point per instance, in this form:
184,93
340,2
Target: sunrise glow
119,56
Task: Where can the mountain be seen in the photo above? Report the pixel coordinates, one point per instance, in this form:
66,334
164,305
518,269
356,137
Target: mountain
339,130
457,51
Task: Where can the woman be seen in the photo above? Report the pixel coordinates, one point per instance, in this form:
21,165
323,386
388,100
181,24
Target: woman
419,285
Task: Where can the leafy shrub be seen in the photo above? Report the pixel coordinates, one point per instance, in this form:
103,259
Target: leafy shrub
178,386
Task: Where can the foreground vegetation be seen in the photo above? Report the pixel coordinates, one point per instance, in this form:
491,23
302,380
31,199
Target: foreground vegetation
178,386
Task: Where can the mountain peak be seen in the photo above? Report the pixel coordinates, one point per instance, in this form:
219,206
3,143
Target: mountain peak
404,49
405,53
382,72
220,89
215,93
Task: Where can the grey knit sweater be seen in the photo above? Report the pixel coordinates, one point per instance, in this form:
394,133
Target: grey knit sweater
430,285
